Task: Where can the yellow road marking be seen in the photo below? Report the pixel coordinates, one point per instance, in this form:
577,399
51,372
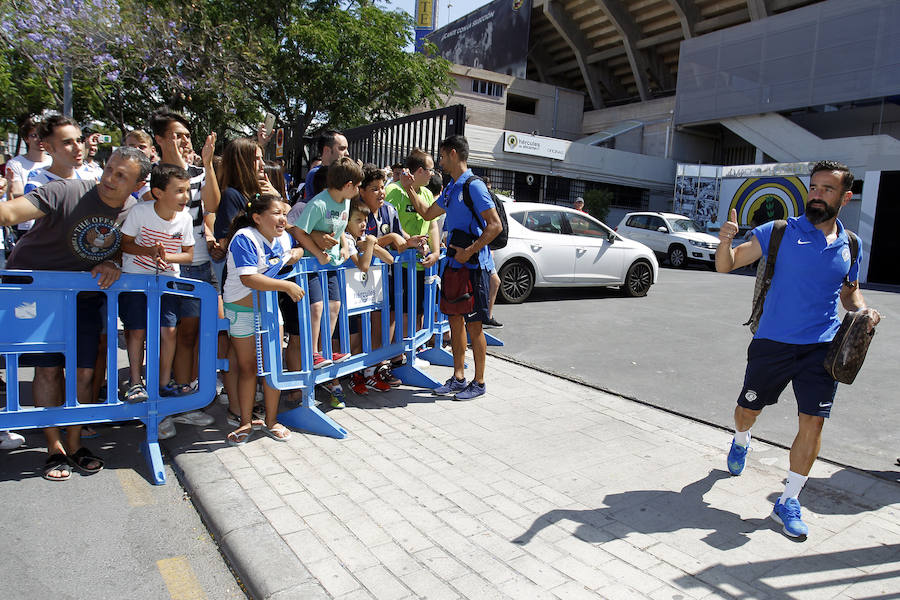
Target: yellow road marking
136,488
180,579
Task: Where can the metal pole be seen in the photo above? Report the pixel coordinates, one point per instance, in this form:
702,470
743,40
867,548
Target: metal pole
67,79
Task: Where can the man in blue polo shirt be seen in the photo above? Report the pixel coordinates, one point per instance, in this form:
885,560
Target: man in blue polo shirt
454,152
800,317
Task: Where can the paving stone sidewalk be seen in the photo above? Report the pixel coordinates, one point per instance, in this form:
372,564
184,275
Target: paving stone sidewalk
541,489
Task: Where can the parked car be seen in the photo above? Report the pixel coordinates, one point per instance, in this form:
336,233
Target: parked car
556,246
675,237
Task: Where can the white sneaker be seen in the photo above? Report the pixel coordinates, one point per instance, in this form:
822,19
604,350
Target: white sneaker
10,440
166,428
195,417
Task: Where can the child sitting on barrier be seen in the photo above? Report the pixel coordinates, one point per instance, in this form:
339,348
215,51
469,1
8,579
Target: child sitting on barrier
328,212
258,242
156,237
362,248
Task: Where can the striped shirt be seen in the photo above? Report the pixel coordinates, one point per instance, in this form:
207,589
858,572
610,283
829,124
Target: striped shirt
148,229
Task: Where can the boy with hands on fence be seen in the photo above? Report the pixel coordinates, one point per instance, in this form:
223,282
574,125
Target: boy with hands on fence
156,238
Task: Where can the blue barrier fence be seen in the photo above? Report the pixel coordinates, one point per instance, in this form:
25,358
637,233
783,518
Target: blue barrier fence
307,417
38,315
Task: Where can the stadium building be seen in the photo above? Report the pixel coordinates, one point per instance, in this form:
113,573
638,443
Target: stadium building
715,95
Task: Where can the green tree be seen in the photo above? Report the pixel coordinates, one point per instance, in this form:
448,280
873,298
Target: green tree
596,203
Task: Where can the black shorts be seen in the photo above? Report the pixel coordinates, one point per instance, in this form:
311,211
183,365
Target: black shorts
90,318
771,365
289,314
481,291
420,293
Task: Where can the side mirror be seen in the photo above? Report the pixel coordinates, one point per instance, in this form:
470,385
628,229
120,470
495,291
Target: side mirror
611,238
662,230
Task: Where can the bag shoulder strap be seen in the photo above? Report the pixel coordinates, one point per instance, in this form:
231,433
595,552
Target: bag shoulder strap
778,228
854,252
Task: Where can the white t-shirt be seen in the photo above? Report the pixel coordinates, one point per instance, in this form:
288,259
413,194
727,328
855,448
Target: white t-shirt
91,171
37,178
148,229
250,252
19,167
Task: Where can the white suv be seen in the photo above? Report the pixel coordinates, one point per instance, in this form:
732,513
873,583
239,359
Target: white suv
675,237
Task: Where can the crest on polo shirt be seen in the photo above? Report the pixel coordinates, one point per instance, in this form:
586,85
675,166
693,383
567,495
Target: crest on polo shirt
96,238
385,228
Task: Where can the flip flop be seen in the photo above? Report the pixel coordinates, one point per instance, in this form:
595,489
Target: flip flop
56,462
237,438
273,432
82,458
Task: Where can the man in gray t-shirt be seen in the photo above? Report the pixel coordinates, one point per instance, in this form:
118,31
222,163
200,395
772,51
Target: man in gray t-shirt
77,229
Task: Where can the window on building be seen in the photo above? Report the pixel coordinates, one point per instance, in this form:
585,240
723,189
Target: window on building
488,88
521,104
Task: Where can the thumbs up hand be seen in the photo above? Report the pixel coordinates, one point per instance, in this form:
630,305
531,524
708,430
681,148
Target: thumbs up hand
729,229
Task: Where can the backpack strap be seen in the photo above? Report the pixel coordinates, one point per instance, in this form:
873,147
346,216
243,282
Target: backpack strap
778,229
854,253
467,199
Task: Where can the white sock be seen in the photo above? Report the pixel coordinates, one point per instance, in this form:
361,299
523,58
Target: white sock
795,483
742,438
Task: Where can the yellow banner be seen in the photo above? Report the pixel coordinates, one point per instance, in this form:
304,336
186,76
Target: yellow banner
425,13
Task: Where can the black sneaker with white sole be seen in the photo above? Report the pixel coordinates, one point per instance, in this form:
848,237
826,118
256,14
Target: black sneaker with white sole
491,323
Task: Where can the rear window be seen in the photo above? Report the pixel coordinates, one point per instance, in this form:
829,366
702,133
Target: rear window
518,217
637,221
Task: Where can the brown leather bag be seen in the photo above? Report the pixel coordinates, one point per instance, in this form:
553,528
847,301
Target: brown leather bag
848,348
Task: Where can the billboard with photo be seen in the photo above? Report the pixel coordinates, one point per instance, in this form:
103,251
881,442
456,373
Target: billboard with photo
494,38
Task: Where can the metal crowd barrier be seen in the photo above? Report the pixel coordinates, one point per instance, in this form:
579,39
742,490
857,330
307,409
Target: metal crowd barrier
368,298
38,315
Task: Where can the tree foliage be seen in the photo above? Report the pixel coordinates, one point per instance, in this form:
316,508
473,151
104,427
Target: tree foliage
596,203
224,62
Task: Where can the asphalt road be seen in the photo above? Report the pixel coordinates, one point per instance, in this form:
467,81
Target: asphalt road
683,348
108,535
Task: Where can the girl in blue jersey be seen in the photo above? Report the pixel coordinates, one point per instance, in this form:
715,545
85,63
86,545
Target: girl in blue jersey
258,241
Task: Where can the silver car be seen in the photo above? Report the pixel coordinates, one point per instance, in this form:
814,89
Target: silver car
556,246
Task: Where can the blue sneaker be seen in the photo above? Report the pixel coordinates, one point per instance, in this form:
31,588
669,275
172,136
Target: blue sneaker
788,515
472,391
450,387
737,456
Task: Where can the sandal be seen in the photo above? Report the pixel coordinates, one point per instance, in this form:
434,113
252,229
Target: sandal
172,389
135,393
56,462
82,458
278,432
237,438
235,421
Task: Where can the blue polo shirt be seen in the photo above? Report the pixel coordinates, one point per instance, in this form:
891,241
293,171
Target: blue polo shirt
802,304
460,217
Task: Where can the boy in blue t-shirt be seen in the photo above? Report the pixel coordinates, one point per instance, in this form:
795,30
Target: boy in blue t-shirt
467,244
328,212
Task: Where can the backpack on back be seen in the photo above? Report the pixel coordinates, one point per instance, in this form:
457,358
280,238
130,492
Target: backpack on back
766,270
502,237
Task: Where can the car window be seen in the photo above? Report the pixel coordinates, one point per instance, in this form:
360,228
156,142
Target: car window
583,225
656,223
682,225
638,222
545,221
518,217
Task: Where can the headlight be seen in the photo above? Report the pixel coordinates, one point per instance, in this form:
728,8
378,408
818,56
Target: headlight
707,245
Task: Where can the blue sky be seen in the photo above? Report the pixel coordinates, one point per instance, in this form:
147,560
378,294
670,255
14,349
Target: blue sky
457,9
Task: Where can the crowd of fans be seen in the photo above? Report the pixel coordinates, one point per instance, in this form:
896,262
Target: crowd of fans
159,207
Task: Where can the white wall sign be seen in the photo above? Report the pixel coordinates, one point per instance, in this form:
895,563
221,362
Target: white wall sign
364,289
535,145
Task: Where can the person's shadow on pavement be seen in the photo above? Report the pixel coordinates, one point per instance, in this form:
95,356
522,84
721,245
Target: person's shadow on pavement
656,511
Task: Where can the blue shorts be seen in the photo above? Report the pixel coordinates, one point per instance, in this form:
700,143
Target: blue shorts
90,310
133,310
315,288
481,291
190,307
771,365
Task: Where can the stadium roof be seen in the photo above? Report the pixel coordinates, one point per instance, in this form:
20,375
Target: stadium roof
620,51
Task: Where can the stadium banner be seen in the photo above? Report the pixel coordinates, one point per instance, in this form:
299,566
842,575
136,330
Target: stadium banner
494,38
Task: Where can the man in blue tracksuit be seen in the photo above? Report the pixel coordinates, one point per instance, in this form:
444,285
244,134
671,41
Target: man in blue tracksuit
454,152
813,271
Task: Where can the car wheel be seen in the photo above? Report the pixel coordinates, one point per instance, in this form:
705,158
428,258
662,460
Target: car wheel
516,281
677,256
638,280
